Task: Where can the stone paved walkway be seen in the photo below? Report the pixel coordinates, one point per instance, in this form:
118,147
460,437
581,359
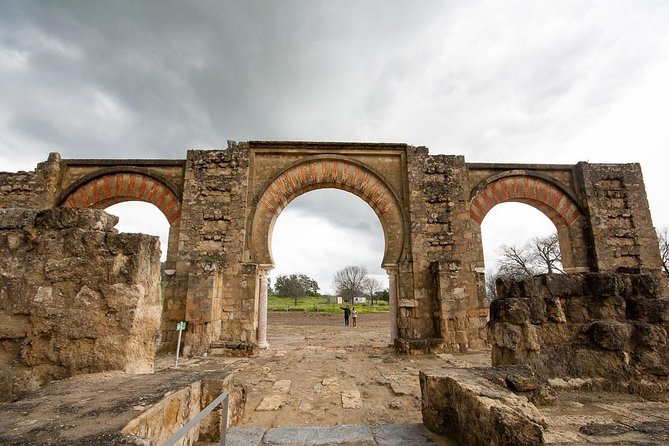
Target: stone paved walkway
414,434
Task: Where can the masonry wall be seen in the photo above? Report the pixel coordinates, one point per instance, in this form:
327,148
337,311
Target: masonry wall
623,235
449,295
594,325
75,297
211,288
35,190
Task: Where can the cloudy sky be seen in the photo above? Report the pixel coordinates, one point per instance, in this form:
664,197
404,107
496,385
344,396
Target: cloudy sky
514,81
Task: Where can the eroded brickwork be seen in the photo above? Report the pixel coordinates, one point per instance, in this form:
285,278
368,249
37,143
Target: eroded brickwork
210,273
449,300
75,297
623,235
36,189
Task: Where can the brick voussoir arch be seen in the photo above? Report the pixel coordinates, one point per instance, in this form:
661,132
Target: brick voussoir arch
326,172
335,173
550,199
110,188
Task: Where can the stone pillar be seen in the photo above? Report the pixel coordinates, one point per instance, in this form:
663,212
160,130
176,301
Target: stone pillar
392,301
263,273
172,247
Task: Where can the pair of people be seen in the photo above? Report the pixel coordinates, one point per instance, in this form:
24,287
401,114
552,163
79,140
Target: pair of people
350,313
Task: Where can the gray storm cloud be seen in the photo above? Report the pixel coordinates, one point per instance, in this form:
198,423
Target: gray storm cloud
516,81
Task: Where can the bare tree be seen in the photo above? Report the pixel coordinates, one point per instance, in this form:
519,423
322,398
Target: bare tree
663,239
348,281
546,254
515,262
540,255
371,286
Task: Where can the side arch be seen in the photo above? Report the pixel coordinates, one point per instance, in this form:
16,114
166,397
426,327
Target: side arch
318,173
550,199
111,188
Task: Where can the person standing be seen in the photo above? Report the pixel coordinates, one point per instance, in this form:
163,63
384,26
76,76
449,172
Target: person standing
347,314
354,315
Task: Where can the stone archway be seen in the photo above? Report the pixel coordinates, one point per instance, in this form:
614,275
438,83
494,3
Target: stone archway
319,173
545,196
108,189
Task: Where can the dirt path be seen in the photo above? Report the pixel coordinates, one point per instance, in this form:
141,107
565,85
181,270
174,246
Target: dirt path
315,373
318,372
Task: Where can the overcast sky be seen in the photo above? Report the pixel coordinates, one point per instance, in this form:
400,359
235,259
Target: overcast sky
513,81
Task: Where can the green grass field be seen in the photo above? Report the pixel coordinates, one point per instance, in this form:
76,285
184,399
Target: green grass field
319,304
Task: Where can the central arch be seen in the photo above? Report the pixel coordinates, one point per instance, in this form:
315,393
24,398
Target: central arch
318,173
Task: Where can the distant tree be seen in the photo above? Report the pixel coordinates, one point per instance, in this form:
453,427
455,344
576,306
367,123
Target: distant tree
383,295
348,281
541,255
269,286
295,285
663,239
371,285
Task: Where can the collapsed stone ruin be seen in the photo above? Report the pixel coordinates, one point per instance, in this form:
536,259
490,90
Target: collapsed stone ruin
551,334
76,296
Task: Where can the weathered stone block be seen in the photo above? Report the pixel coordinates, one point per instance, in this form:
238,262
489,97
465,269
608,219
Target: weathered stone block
576,310
554,311
511,310
610,308
79,310
649,335
602,284
457,402
645,285
564,285
507,288
537,306
63,218
648,310
610,335
13,218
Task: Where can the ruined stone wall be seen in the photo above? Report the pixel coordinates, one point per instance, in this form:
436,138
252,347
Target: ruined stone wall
624,238
595,325
75,297
211,288
35,190
165,418
449,297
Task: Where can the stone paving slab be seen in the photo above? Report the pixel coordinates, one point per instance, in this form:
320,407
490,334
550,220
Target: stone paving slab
415,434
351,399
248,436
271,402
352,435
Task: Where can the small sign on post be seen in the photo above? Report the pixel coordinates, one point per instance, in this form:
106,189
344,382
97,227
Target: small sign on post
181,326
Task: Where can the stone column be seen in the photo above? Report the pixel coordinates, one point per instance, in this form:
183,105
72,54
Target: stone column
263,273
392,301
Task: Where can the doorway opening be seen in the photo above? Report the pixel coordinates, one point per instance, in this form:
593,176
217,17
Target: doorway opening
518,241
319,235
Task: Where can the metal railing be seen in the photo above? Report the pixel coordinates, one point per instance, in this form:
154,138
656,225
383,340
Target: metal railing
222,399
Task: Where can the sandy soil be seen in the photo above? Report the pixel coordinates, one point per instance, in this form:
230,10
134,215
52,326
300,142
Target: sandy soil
317,372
